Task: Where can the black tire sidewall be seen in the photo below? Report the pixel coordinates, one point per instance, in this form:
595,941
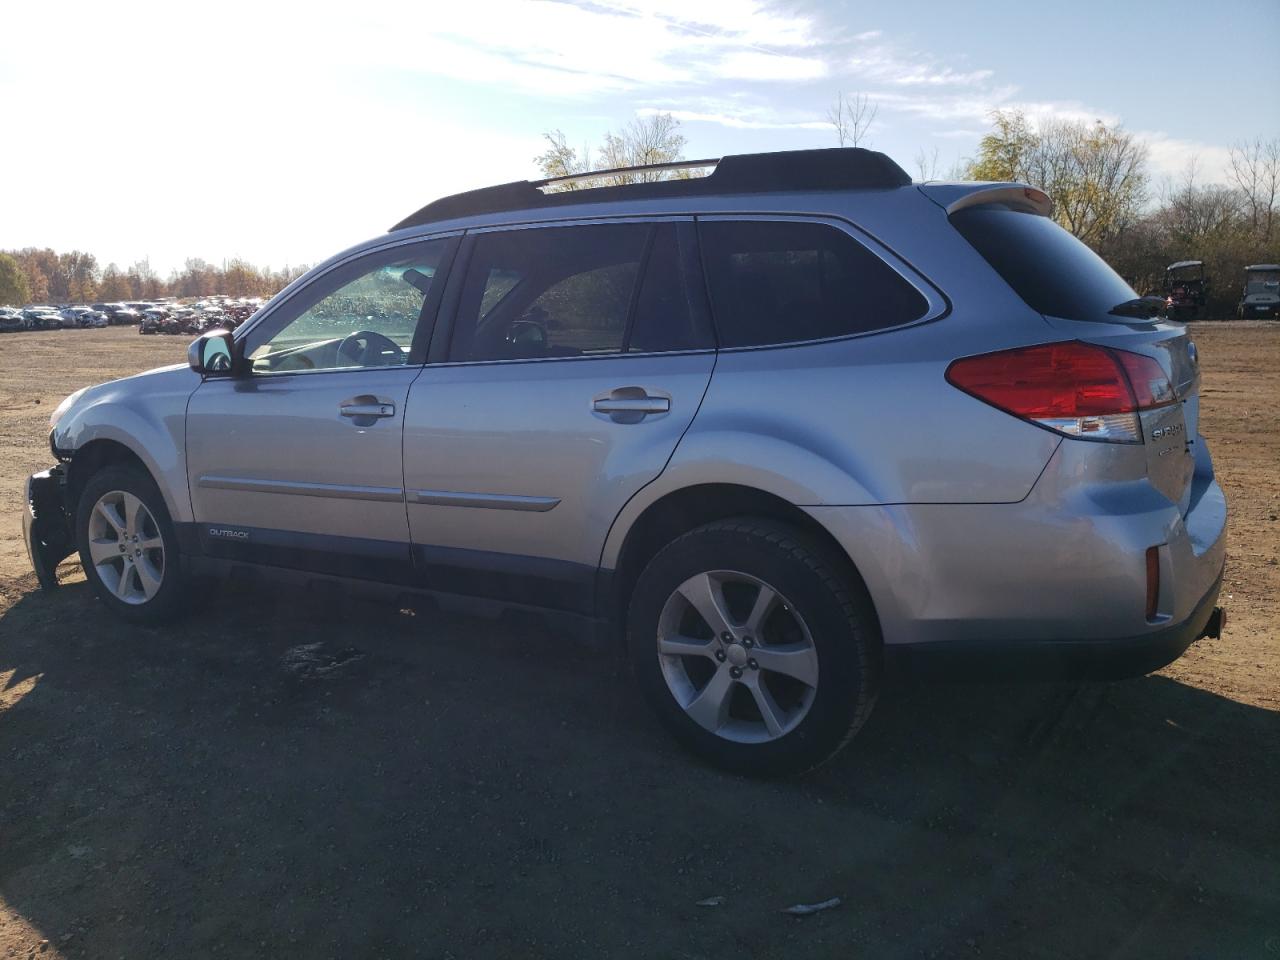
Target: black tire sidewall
168,599
834,610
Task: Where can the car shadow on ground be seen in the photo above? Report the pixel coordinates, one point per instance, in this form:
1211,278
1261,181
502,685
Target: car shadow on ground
290,774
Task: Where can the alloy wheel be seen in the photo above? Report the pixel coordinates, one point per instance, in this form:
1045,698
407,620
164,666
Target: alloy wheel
126,547
737,656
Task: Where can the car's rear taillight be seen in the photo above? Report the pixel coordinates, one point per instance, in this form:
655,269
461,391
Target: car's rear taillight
1077,389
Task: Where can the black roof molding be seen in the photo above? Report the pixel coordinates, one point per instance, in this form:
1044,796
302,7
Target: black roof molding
837,168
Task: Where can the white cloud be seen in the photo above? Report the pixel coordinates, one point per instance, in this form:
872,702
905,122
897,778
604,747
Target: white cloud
746,120
754,65
1073,111
959,134
570,49
973,107
890,63
1171,157
942,78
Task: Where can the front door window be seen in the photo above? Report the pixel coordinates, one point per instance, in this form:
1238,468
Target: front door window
368,317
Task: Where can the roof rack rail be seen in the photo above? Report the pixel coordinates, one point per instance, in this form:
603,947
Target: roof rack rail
836,168
620,171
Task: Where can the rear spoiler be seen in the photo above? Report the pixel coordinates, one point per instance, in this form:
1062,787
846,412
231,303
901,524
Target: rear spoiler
953,197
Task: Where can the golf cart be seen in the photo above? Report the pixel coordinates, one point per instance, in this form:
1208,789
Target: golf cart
1260,297
1185,289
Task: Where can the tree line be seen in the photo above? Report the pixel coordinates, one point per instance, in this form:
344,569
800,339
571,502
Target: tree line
1104,193
32,275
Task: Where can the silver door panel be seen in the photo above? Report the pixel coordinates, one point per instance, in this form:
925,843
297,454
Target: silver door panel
515,458
280,453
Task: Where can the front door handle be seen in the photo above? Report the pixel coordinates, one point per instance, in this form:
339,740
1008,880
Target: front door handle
367,408
630,404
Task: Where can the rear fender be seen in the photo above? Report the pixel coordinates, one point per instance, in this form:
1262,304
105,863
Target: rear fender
765,463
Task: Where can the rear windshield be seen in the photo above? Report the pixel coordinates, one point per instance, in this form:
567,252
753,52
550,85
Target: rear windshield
1046,266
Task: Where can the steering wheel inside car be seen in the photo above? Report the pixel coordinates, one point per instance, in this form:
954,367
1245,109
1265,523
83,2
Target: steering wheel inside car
367,348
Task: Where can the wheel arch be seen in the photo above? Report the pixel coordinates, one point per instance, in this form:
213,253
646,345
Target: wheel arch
98,454
679,511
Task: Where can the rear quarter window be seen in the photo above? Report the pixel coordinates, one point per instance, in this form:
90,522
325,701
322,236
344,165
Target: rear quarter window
783,281
1052,271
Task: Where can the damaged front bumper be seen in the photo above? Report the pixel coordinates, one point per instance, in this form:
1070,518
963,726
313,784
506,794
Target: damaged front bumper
46,528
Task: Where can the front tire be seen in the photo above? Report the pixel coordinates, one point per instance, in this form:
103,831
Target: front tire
128,546
758,649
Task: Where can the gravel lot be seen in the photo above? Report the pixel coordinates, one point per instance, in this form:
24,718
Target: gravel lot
287,775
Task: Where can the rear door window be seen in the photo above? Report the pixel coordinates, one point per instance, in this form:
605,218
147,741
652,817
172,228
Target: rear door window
784,281
1052,271
578,291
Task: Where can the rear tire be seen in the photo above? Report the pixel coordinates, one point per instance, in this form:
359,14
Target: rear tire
128,546
790,671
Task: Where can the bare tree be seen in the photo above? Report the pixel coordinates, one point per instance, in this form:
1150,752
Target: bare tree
927,163
1193,216
562,160
1097,175
1254,167
852,116
645,141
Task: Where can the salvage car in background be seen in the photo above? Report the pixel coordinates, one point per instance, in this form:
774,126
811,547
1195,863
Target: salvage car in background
83,317
152,319
42,318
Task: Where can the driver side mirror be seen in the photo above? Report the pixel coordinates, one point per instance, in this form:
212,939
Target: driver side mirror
212,354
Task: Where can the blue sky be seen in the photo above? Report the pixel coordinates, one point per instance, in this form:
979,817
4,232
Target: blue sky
283,132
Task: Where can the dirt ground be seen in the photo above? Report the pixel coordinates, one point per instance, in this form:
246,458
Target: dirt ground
287,776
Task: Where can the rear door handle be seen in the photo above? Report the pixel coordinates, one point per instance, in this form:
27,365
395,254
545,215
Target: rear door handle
367,407
630,404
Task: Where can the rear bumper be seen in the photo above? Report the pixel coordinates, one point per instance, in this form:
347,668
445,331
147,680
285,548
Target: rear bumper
46,529
1053,584
1112,659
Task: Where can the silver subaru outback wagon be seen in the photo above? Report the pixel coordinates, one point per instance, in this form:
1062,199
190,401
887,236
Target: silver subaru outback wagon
771,428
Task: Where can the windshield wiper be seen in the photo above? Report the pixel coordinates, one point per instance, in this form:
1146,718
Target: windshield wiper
1144,308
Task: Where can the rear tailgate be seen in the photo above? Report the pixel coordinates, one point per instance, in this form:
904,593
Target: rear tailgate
1169,433
1075,291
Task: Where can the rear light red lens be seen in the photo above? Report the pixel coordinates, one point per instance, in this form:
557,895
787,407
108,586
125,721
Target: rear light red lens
1079,389
1151,387
1052,380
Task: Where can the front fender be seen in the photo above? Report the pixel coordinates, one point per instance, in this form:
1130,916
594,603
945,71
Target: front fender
146,415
